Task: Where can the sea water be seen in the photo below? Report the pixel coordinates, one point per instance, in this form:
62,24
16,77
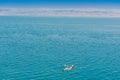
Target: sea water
36,48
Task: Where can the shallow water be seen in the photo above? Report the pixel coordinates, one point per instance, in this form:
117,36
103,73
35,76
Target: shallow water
35,48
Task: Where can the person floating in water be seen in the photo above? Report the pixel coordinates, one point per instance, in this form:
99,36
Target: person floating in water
68,68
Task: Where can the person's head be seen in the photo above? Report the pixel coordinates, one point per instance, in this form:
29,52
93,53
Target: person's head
73,66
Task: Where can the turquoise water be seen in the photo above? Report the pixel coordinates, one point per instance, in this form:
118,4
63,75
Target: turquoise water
35,48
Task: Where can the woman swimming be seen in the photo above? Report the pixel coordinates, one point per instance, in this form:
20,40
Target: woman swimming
68,68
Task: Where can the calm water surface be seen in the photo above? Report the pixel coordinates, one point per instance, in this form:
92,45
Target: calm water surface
35,48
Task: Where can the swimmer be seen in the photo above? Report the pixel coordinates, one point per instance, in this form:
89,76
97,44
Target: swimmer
68,68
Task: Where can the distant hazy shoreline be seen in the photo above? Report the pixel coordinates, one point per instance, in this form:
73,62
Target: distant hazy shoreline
65,12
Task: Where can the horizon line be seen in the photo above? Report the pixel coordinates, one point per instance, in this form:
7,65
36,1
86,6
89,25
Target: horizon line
65,12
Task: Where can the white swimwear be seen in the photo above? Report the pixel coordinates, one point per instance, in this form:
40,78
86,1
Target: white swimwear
68,68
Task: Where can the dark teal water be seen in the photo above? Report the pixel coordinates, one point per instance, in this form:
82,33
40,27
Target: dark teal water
35,48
